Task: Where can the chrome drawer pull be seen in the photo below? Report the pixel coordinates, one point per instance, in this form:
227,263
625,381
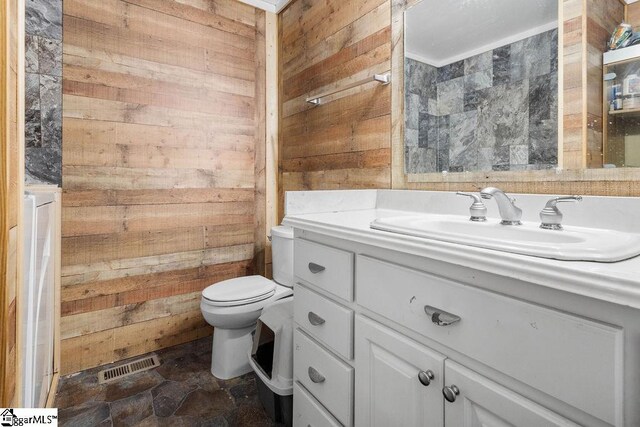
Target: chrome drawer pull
314,319
315,376
439,317
315,268
451,393
425,377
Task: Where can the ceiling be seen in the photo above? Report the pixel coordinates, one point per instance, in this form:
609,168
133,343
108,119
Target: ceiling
274,6
440,32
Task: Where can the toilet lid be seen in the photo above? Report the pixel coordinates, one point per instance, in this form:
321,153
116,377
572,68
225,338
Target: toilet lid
241,290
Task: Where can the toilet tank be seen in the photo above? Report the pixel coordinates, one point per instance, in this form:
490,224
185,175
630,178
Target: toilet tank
282,255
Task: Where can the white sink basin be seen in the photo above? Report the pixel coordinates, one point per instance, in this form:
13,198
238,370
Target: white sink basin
570,244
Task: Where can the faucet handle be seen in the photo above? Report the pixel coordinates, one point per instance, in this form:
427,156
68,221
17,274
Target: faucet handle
550,216
477,211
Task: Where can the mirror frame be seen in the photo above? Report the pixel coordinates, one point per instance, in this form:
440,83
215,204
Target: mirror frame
574,125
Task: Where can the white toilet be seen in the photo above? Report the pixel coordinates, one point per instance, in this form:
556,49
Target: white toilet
233,306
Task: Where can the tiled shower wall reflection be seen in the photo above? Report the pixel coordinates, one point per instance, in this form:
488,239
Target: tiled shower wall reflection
43,91
494,111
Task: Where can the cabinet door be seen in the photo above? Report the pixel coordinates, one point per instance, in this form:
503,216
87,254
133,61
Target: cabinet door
389,370
483,403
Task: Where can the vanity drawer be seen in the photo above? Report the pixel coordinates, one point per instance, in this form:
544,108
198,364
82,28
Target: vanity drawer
324,320
326,377
307,411
328,268
573,359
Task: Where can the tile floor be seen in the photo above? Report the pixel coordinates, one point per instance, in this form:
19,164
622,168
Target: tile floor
180,392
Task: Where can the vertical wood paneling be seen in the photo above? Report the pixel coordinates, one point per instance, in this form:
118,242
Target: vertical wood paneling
260,237
574,57
163,168
11,185
587,26
344,143
271,128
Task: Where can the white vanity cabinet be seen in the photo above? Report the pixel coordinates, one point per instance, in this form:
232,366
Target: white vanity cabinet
543,348
482,402
323,339
383,338
398,381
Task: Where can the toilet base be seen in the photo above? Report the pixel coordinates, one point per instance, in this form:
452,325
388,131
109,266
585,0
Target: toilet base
229,352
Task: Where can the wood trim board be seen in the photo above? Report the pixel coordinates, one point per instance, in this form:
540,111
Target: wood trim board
11,190
4,200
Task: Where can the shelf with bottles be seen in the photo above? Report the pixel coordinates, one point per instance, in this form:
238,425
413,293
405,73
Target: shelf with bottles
621,70
626,112
621,102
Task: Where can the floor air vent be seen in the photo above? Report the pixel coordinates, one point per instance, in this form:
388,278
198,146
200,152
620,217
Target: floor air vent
127,369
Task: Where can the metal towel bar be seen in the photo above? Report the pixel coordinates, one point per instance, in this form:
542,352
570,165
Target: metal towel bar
384,78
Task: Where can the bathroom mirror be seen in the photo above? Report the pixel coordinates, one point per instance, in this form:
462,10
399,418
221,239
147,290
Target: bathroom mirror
481,86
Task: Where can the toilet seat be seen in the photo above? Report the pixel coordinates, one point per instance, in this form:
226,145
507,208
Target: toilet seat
239,291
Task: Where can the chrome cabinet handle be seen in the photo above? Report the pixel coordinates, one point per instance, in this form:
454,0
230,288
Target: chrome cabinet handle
315,268
314,319
315,376
439,317
451,393
425,377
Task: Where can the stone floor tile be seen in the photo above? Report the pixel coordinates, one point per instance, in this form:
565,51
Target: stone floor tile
78,389
206,404
180,392
203,347
182,368
131,410
249,416
86,414
205,381
245,389
154,421
168,396
132,385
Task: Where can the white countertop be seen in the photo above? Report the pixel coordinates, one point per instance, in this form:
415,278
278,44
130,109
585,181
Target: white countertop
617,282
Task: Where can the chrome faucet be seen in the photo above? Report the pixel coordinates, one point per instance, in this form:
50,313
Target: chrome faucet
477,211
550,216
509,212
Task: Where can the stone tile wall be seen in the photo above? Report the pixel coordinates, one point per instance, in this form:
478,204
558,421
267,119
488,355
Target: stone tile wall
494,111
43,92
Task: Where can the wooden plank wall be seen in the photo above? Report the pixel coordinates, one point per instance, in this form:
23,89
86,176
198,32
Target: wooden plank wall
633,15
344,143
163,119
10,193
573,57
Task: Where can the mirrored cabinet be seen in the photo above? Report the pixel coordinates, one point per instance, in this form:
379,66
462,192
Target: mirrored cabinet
621,73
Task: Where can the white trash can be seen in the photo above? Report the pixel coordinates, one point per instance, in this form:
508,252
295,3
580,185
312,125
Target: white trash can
271,357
